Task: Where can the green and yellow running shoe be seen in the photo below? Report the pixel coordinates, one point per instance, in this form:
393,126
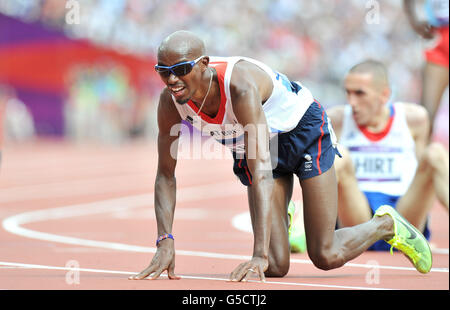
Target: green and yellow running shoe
408,240
297,238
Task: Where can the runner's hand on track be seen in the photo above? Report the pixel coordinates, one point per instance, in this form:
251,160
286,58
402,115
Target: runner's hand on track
164,259
256,265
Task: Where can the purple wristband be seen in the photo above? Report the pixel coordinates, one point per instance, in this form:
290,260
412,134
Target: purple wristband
162,237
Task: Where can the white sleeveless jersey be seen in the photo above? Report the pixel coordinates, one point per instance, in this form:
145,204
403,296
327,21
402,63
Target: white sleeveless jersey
384,162
283,110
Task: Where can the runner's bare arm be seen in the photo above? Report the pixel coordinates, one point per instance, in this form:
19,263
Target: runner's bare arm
246,98
165,189
422,28
165,183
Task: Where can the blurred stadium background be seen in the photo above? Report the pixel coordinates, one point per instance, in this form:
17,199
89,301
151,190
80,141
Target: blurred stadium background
90,77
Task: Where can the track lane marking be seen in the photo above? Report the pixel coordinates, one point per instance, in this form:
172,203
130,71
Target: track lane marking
13,224
34,266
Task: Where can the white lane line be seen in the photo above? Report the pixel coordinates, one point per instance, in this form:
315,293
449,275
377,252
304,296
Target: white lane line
439,251
128,273
14,223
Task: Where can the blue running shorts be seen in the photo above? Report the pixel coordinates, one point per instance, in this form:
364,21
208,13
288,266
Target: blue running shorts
307,150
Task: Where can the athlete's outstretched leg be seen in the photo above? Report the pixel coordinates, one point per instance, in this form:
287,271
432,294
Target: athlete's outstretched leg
430,181
329,248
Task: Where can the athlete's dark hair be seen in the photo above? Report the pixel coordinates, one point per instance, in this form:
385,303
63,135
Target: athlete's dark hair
374,67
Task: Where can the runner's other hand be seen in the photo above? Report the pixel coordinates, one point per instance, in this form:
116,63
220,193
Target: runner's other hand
256,265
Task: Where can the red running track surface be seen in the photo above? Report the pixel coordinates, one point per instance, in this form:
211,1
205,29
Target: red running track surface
66,206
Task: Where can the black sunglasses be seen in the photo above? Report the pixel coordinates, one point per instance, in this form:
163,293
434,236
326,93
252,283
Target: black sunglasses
178,69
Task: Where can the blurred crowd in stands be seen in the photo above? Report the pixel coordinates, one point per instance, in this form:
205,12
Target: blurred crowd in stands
314,42
18,126
102,104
